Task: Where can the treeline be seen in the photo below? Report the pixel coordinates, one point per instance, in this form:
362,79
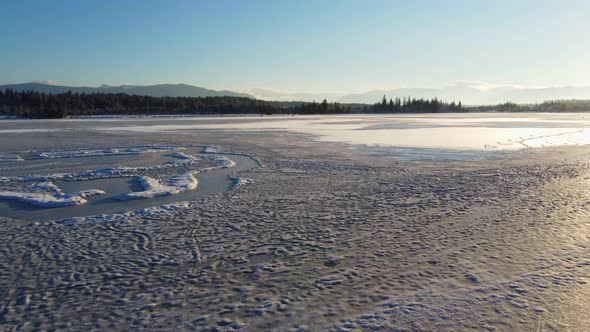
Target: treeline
556,106
32,104
413,105
324,108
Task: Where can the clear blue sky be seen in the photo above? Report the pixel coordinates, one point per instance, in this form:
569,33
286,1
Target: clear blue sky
298,45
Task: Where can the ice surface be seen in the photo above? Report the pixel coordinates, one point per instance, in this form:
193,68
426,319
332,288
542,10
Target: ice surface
460,131
448,131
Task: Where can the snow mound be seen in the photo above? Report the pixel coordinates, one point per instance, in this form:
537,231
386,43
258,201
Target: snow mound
182,159
210,149
184,156
221,161
10,157
154,188
101,173
48,195
238,182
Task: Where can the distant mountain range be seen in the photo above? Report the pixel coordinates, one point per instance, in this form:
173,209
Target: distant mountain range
469,93
158,90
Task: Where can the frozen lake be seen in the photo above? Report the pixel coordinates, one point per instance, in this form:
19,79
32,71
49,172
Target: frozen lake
442,136
358,232
482,131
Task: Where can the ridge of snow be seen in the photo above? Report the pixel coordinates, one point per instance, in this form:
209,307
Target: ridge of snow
154,188
10,157
106,152
48,195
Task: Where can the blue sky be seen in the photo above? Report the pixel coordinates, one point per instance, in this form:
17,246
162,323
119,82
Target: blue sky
296,45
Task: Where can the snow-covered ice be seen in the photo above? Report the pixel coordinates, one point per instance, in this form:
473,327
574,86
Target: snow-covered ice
155,211
182,155
109,172
10,157
48,195
468,245
485,131
106,152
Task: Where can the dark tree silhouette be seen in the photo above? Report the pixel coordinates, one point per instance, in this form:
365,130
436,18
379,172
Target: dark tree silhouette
33,104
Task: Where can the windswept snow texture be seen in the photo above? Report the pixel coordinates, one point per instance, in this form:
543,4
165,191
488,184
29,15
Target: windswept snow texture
48,195
154,188
161,211
106,152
